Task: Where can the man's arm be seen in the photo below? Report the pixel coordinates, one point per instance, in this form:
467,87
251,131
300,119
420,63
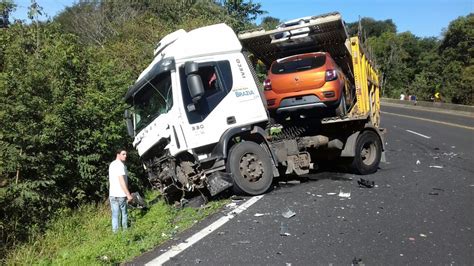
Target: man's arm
124,187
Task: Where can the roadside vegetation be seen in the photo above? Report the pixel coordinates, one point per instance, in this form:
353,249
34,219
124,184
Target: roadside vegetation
83,236
62,82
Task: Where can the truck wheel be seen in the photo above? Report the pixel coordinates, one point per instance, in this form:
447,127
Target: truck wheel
250,167
367,154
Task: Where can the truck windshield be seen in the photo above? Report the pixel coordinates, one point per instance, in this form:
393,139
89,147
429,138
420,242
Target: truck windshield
153,99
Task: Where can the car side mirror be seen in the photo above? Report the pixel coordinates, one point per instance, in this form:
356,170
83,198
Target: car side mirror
196,89
128,119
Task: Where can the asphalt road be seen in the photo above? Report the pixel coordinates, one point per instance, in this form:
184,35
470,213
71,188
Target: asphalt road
420,212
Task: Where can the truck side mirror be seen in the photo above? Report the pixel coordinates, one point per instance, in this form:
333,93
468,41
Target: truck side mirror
196,89
128,120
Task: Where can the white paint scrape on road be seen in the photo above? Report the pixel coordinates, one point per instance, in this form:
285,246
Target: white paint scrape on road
160,260
419,134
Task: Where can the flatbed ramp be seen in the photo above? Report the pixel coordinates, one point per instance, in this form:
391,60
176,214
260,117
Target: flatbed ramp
324,33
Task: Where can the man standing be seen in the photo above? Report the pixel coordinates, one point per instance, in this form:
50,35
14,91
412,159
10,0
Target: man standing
118,190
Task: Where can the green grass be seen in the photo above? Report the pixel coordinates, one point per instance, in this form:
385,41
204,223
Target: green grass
84,236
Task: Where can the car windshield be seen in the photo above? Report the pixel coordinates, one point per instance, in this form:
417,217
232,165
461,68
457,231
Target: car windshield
300,64
153,99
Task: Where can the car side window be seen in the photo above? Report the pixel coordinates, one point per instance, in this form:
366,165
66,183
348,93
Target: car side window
216,79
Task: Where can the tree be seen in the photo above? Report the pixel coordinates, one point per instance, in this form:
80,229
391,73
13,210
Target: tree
62,109
242,12
6,8
95,22
371,27
391,58
270,23
39,89
457,50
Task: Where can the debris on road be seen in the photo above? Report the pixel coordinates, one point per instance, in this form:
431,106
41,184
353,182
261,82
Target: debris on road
288,214
284,229
422,235
236,198
366,183
418,162
451,155
434,193
231,205
344,194
241,242
356,261
436,166
293,182
331,193
175,248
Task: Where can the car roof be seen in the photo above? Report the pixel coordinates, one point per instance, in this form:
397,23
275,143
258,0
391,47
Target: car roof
299,55
284,24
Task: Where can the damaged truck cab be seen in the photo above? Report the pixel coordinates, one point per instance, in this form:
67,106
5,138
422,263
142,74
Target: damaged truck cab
188,107
200,123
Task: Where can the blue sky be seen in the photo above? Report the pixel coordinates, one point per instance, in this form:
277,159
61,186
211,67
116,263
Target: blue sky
424,18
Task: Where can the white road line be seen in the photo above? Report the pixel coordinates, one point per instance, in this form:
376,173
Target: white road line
416,133
430,120
160,260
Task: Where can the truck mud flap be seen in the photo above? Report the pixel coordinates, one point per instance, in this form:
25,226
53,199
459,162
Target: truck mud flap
218,182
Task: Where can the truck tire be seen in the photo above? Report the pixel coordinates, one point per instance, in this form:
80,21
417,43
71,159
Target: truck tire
250,168
368,152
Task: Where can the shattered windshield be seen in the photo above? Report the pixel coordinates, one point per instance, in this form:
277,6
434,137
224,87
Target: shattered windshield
153,99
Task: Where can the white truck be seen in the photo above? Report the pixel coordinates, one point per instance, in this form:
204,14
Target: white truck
199,119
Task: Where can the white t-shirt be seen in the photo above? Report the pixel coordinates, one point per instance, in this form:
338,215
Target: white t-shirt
116,169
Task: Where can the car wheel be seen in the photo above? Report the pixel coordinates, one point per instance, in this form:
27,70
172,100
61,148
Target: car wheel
367,154
250,168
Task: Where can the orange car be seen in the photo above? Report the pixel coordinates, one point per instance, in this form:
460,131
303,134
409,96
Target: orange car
307,81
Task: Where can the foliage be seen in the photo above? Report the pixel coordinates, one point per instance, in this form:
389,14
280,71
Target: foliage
270,23
6,8
371,27
61,119
41,88
242,12
424,66
457,49
61,89
62,83
84,236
